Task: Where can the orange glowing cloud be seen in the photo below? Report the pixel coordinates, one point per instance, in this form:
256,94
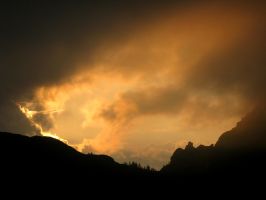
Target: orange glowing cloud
150,88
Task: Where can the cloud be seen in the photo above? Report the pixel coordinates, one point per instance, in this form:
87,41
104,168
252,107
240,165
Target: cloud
45,43
155,155
184,63
226,58
11,119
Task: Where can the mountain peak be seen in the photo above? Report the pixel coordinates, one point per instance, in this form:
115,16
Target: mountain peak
249,133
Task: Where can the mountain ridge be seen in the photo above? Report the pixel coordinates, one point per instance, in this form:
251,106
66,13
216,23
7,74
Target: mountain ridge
239,152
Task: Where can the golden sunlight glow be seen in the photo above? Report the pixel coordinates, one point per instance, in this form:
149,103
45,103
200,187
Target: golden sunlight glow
30,114
137,92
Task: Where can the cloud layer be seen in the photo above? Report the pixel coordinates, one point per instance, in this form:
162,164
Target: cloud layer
117,69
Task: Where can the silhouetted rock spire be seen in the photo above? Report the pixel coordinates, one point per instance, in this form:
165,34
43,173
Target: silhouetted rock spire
189,146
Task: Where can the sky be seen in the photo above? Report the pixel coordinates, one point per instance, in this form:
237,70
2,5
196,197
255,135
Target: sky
131,79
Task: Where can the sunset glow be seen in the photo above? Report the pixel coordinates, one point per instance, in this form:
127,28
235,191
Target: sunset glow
30,115
138,88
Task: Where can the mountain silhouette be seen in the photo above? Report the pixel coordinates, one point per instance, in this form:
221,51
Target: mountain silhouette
238,154
44,158
250,133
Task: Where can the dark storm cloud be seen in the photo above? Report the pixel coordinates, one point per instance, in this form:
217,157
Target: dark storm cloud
237,68
240,68
149,101
11,119
45,42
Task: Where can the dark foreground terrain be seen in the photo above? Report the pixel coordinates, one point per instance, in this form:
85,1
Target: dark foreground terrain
239,155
